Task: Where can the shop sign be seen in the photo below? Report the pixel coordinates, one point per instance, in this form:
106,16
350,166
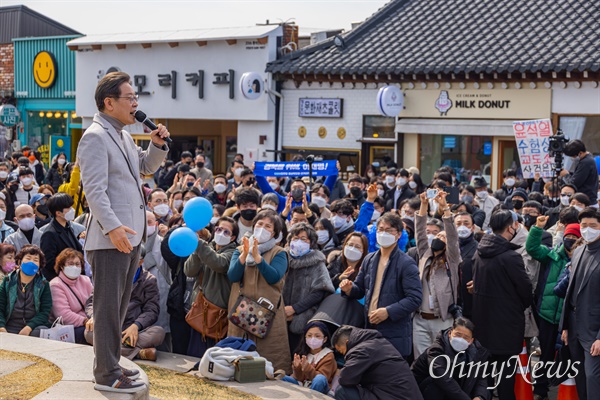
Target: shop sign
320,108
390,101
45,69
284,168
478,104
9,115
251,85
532,144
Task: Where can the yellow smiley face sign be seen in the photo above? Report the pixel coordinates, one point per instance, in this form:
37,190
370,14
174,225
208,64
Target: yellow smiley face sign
44,69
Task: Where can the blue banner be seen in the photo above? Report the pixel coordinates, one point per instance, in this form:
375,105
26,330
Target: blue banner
280,169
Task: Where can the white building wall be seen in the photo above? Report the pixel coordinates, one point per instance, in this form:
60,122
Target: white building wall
248,142
573,100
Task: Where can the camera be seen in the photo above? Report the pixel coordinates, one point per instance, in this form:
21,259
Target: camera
557,143
455,310
310,159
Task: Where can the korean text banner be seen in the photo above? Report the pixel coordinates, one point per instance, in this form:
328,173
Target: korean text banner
532,143
319,168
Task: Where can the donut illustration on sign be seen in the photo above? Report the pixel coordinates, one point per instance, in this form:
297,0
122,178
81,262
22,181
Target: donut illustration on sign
443,103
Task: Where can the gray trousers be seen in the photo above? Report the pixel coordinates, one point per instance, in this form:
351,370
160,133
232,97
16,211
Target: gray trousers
113,274
150,337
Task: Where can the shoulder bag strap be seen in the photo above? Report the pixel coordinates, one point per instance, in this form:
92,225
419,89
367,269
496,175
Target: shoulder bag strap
80,303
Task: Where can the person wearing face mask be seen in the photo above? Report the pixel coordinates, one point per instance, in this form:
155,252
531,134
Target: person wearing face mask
347,264
202,173
237,166
59,233
566,192
219,191
158,203
439,261
25,298
579,201
320,197
70,290
390,181
27,232
40,209
401,193
389,281
548,305
518,198
208,265
584,175
485,201
327,240
510,179
257,270
5,229
307,282
176,202
4,172
433,369
58,172
247,201
27,188
502,292
465,228
342,212
314,363
373,367
7,259
356,195
579,322
275,185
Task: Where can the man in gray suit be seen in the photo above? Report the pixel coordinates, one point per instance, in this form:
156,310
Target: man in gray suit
111,165
580,319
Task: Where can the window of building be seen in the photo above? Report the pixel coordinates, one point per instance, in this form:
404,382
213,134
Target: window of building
379,127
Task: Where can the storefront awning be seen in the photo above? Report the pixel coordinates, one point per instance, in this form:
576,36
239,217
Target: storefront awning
466,127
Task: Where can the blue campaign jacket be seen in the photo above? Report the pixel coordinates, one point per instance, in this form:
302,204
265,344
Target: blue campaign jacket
400,294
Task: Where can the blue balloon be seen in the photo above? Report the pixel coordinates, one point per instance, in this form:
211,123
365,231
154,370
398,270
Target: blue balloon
197,213
183,241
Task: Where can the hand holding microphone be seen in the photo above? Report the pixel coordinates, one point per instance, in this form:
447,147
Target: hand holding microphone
162,133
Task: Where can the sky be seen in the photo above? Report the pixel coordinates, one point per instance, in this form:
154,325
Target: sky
120,16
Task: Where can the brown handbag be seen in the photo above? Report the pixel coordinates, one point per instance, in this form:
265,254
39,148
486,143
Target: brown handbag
207,318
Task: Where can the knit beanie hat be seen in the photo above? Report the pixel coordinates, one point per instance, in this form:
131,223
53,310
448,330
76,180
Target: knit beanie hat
521,193
573,229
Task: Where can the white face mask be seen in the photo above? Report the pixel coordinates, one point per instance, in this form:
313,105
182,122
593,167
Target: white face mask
463,232
26,224
273,185
376,215
319,201
404,215
389,179
352,253
579,209
3,174
2,215
61,161
70,215
177,204
150,229
430,238
385,239
564,200
220,188
238,171
401,181
323,236
483,194
314,343
298,248
338,221
72,271
590,234
412,184
221,239
380,192
510,182
269,207
27,181
214,220
161,210
459,344
262,235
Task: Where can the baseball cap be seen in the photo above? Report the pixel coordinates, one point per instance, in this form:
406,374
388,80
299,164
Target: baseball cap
37,197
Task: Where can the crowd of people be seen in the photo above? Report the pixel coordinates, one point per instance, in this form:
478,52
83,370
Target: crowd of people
367,286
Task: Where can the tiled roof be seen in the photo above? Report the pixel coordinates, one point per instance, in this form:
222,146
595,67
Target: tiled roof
461,37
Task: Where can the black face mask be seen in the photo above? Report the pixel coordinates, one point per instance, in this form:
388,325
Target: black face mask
569,244
518,204
42,209
13,188
250,182
438,245
355,191
529,220
297,194
200,164
248,215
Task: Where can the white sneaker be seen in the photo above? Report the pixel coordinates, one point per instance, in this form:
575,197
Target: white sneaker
122,385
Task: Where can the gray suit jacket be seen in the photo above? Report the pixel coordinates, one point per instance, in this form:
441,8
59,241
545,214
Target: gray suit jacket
110,174
586,326
19,240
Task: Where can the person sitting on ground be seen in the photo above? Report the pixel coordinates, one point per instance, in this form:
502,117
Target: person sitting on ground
70,290
27,234
314,363
373,368
7,260
140,336
434,369
25,298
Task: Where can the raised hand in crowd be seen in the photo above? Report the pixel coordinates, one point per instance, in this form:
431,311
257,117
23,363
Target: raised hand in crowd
346,286
175,186
245,250
288,206
255,252
541,221
372,193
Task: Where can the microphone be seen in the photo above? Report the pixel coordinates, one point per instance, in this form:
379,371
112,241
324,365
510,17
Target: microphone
141,116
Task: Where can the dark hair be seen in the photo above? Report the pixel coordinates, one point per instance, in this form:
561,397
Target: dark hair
298,180
315,189
175,220
5,249
574,147
219,207
236,228
342,333
315,209
533,204
65,255
509,172
356,178
304,227
17,155
32,250
110,86
462,214
393,220
297,210
58,202
55,164
391,171
582,198
245,196
535,196
464,322
220,176
185,154
468,188
414,203
379,200
25,171
247,171
237,161
329,227
589,212
155,191
403,172
571,185
500,221
343,206
436,222
302,349
419,181
467,206
444,176
273,217
365,245
192,189
568,215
